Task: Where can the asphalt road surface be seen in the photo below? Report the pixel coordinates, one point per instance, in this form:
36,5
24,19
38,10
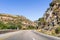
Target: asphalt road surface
27,35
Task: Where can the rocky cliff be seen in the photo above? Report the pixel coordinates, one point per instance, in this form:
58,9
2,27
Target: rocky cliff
51,18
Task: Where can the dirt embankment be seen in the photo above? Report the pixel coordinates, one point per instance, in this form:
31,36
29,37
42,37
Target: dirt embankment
6,31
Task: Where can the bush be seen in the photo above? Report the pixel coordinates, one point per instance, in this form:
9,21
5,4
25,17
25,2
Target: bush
2,25
10,25
52,4
31,27
57,30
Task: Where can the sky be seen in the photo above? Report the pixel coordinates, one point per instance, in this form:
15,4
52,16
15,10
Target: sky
31,9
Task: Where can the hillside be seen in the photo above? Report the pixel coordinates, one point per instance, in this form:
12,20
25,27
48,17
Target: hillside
51,19
15,22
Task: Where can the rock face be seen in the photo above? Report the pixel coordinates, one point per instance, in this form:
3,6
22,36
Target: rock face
52,15
50,22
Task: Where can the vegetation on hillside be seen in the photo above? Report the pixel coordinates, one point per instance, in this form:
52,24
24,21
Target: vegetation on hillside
15,22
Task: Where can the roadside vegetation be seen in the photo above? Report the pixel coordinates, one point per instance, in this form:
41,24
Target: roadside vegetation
15,22
11,25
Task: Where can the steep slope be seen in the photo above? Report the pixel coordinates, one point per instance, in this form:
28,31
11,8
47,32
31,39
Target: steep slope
51,18
52,15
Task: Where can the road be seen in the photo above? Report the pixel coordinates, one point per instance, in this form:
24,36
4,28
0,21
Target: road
27,35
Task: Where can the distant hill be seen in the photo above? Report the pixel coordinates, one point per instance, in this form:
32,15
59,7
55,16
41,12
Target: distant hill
14,22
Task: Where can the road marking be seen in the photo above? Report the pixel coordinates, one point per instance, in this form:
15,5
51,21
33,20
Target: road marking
33,38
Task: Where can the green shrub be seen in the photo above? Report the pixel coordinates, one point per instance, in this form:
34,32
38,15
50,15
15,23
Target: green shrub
31,27
57,30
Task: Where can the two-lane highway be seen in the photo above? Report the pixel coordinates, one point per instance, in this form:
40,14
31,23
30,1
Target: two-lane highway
27,35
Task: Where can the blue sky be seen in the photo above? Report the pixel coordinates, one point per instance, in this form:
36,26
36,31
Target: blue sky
31,9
